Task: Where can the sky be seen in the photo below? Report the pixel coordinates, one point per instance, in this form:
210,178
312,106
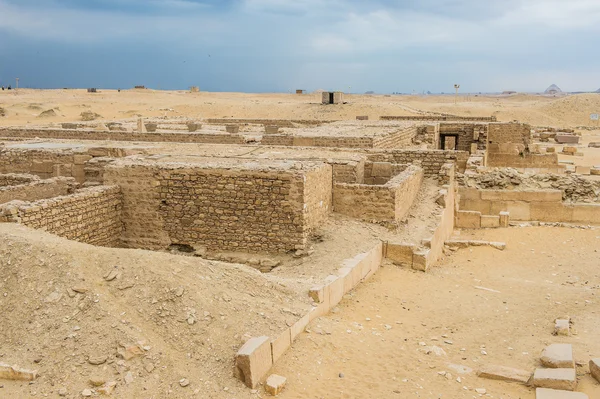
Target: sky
282,45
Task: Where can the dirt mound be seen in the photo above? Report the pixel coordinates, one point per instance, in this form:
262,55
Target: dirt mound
143,320
47,114
575,188
90,116
573,109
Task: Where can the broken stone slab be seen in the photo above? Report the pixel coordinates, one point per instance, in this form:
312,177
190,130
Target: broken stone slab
565,379
595,368
107,389
8,372
475,243
275,384
562,327
253,361
502,373
558,356
544,393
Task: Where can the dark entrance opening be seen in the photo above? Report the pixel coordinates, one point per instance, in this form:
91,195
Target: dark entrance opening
449,141
331,100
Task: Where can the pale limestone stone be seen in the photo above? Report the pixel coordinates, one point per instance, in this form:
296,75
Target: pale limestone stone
275,384
502,373
565,379
254,360
544,393
595,368
8,372
558,356
562,327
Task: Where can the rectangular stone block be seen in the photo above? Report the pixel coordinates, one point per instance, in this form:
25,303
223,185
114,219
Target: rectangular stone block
588,213
8,372
558,356
336,291
566,139
565,379
401,253
504,219
317,293
381,169
281,344
595,368
550,212
502,373
468,219
298,327
420,260
254,360
544,393
490,221
562,327
583,170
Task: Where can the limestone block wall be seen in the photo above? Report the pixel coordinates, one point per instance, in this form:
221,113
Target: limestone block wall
430,160
509,133
389,202
37,190
221,209
441,117
14,179
91,215
382,172
468,133
400,139
348,171
44,163
171,137
531,205
527,160
278,139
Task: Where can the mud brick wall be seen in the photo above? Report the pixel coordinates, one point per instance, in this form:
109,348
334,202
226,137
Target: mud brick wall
14,179
348,171
91,216
517,133
44,163
214,138
253,210
37,190
342,142
430,160
399,139
389,202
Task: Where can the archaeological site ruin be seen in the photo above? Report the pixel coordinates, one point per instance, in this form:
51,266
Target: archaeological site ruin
256,229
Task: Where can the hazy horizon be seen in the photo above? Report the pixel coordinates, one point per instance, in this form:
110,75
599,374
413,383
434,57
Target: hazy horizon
279,45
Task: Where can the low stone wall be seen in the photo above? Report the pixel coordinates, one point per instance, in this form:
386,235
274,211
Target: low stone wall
15,179
348,171
533,205
468,134
381,172
278,139
44,163
258,355
271,122
389,202
517,133
258,210
182,137
430,160
37,190
399,139
91,216
443,117
522,161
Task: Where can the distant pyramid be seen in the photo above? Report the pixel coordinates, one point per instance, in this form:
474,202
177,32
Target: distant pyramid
597,91
554,89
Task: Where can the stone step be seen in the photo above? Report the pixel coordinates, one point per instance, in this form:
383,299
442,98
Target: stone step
558,356
565,379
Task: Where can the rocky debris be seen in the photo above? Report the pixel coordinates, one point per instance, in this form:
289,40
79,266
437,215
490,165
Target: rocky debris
89,116
62,392
97,360
558,356
2,112
565,379
184,382
97,381
86,393
595,368
544,393
591,145
275,384
502,373
128,378
108,388
112,274
47,114
562,327
575,188
8,372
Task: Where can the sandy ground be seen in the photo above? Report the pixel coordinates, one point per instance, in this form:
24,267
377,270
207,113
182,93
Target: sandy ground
26,106
370,346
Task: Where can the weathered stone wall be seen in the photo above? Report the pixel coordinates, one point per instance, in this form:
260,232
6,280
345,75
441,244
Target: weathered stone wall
219,209
14,179
44,163
389,202
444,117
430,160
522,161
348,171
468,133
37,190
528,205
92,215
382,172
399,139
181,137
517,133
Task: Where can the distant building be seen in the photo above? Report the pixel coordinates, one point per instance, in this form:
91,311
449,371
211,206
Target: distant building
332,97
508,92
553,89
